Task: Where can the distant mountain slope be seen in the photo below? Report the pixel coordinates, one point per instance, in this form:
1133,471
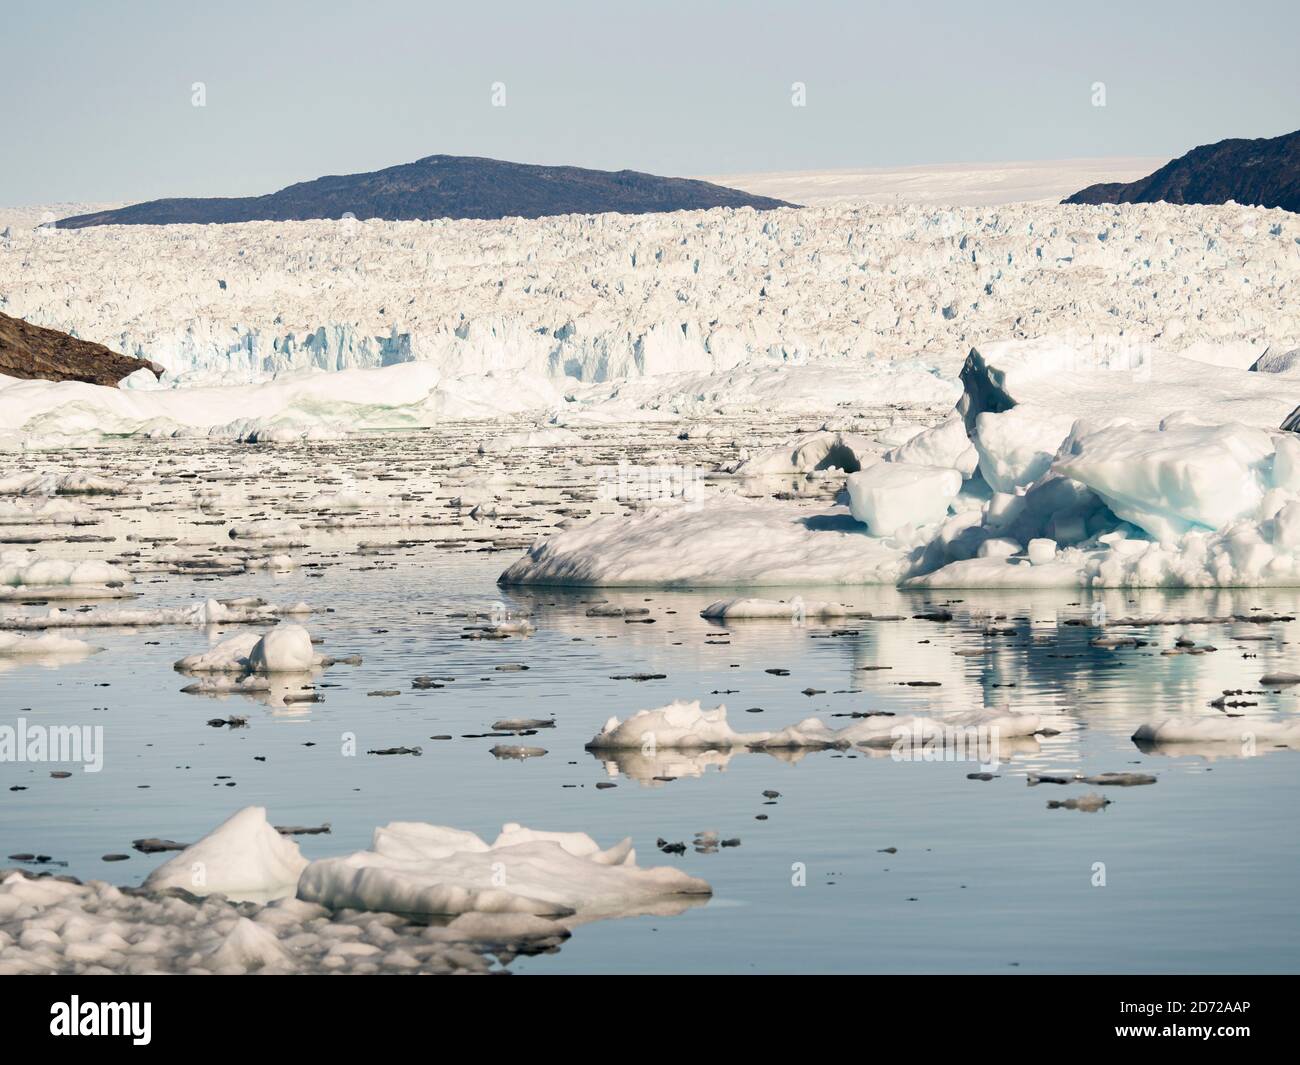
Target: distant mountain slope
36,353
444,186
1263,173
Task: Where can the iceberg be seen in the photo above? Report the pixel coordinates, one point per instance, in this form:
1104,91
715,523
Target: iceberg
427,869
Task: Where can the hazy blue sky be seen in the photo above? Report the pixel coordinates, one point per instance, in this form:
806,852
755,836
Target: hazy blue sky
97,96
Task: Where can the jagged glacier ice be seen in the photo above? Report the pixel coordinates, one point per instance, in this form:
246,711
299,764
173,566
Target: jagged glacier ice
598,298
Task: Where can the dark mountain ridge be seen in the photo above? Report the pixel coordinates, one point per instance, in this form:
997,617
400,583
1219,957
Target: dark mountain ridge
1261,173
444,186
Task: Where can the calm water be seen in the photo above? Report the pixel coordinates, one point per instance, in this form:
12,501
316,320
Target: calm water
1200,869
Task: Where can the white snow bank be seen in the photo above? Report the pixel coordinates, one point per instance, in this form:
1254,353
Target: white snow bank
412,395
242,858
770,384
427,869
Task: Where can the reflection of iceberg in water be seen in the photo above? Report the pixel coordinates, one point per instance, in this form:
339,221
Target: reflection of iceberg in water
661,765
1006,651
286,692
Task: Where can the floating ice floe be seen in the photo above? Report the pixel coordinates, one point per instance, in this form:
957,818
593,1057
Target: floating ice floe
426,869
720,543
46,510
20,569
524,893
1244,731
768,609
76,482
534,438
49,648
288,533
210,612
685,725
103,929
287,648
416,868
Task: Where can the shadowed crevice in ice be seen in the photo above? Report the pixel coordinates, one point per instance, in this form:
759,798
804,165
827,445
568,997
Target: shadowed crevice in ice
842,523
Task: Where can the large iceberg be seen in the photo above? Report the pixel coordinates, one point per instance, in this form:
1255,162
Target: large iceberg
1083,476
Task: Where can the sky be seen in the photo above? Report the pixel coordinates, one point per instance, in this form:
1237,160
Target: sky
98,99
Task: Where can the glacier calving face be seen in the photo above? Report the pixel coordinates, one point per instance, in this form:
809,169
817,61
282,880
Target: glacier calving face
595,299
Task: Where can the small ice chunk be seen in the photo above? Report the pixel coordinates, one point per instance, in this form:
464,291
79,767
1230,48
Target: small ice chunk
285,649
890,495
244,858
1042,550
